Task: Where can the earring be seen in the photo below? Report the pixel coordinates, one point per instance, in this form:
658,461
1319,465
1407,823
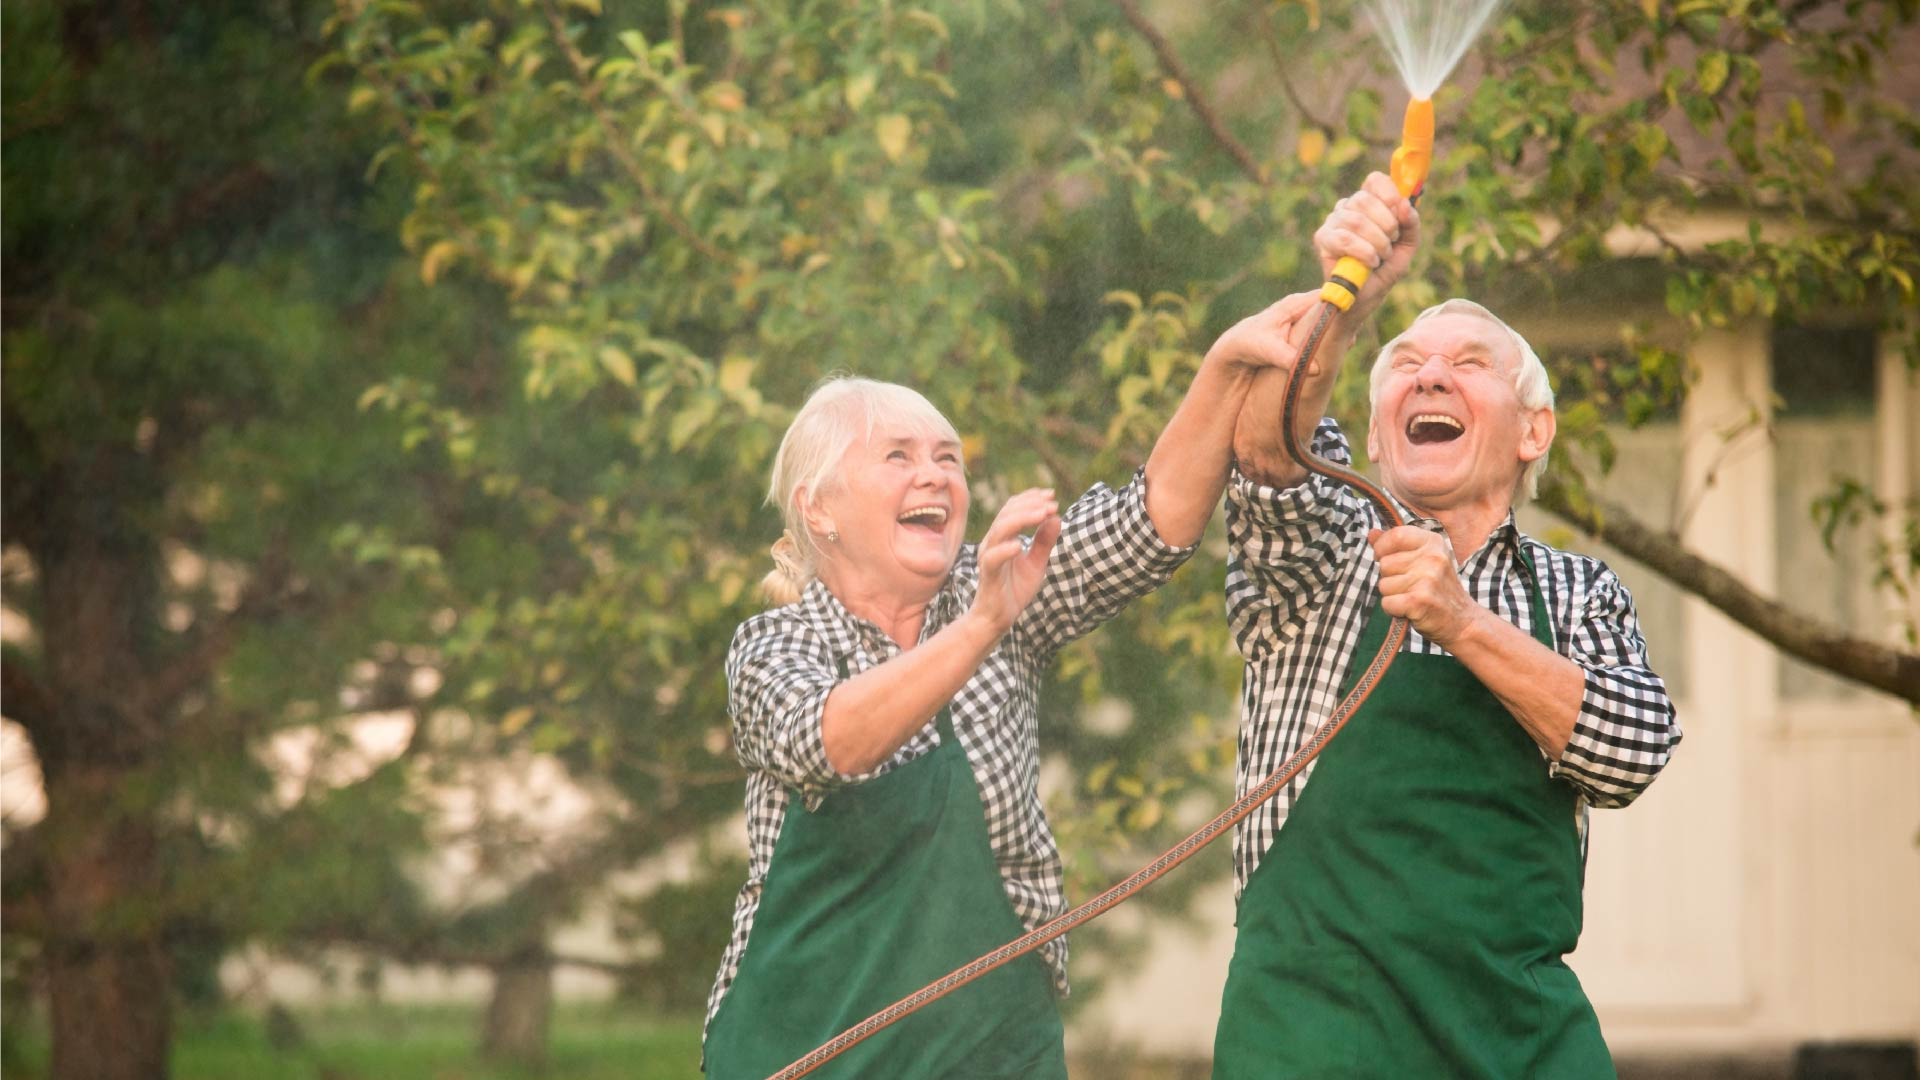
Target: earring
833,537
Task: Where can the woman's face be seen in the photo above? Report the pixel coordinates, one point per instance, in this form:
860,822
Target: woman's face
900,507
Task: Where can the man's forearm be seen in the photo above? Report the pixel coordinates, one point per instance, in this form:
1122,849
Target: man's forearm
1539,686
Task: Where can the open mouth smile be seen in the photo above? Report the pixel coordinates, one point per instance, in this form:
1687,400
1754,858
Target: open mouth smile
1433,428
928,518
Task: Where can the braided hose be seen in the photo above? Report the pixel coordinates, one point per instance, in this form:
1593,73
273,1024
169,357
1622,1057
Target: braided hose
1206,834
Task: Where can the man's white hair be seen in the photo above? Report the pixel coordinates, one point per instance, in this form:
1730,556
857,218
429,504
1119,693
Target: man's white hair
1530,379
843,410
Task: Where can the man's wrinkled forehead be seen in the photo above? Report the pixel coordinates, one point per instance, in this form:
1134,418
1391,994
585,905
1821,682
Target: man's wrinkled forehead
1461,332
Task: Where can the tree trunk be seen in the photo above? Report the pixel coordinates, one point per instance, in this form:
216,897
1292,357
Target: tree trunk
103,910
521,1011
107,972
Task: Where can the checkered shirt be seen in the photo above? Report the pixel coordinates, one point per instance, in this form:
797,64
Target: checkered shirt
1302,581
784,662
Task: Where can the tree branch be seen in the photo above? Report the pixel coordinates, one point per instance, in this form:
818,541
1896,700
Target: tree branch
1191,92
1867,662
265,597
590,93
1265,32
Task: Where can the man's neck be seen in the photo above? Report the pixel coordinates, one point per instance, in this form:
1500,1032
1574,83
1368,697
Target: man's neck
1467,527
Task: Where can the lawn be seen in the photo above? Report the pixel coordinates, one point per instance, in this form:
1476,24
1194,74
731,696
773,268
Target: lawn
589,1042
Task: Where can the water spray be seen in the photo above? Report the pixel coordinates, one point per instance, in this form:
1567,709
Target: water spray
1426,39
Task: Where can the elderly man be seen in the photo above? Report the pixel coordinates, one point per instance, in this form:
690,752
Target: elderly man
1411,917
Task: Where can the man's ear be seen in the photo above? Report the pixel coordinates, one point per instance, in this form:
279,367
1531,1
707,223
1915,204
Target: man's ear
1373,442
1537,434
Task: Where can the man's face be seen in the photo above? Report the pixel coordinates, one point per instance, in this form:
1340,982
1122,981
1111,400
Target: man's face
1448,429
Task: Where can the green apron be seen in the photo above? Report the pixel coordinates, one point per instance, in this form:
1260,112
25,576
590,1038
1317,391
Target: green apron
1410,918
886,887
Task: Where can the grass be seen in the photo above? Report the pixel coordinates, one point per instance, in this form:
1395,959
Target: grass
588,1042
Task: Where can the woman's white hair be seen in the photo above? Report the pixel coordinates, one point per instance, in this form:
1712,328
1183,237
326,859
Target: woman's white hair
842,412
1530,379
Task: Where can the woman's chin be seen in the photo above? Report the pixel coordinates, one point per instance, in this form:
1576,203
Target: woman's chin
931,564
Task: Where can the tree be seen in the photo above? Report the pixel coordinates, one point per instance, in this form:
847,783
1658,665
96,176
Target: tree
197,288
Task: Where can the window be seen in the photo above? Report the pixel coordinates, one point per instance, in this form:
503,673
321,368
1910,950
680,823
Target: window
1824,434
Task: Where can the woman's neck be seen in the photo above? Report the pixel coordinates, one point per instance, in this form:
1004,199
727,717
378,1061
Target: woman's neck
898,616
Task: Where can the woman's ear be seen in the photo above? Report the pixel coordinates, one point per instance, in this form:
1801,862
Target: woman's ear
818,520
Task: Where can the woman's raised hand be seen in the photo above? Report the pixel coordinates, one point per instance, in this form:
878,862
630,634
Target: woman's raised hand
1012,564
1267,338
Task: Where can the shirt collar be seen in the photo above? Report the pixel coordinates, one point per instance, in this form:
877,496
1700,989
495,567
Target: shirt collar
845,632
1507,534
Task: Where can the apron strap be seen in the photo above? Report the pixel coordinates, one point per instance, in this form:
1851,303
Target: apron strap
1537,599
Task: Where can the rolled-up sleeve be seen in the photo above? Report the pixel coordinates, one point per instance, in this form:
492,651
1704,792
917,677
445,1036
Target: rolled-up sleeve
1627,729
1108,555
1286,546
779,674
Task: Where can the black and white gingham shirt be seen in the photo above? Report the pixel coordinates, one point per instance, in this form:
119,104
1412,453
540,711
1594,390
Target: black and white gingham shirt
1302,581
783,663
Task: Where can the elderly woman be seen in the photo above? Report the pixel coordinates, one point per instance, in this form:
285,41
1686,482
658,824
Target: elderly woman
886,714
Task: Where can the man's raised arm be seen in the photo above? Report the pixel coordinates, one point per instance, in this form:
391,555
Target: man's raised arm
1378,226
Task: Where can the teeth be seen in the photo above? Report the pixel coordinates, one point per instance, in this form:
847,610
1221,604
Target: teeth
932,515
1435,418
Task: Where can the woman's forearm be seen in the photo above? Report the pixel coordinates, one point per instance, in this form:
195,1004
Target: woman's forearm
1257,434
868,717
1188,467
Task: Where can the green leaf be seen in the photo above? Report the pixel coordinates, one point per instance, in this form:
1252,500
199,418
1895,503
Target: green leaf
858,89
892,131
618,364
689,421
1711,72
1650,141
515,720
437,257
676,151
736,375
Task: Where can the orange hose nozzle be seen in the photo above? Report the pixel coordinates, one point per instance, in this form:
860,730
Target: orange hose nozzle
1409,171
1416,152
